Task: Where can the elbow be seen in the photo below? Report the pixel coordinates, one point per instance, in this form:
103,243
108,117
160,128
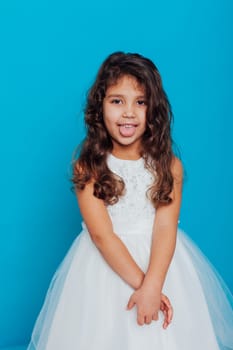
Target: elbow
99,240
96,239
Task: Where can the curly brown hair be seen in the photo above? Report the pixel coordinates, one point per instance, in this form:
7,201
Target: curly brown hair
156,140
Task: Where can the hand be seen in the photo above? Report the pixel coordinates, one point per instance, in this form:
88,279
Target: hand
147,310
166,308
148,301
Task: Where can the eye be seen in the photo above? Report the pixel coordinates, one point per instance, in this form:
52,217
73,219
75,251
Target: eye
116,101
141,102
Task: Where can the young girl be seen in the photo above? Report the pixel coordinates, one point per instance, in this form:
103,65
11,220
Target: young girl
107,293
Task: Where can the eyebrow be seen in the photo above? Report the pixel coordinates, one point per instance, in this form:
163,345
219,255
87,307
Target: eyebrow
119,95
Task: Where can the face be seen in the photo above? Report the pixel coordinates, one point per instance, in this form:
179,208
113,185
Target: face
124,114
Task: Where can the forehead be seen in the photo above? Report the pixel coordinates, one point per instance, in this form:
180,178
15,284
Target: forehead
126,82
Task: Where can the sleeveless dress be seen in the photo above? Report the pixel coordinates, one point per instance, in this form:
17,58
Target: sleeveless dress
85,305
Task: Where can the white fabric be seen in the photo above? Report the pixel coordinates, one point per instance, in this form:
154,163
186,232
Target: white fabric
85,306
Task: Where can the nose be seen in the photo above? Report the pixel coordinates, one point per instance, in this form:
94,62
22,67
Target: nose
128,111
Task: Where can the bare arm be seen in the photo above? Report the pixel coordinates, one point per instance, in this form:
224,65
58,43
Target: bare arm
109,244
164,233
148,297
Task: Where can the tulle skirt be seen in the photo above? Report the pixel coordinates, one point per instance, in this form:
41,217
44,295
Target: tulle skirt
85,306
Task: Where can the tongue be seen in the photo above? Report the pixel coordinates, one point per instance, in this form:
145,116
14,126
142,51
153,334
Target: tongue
127,131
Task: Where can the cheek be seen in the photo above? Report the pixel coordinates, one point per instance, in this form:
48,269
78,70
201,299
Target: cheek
143,119
110,115
108,120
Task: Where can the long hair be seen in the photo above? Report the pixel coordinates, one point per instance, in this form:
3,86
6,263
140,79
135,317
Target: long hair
156,141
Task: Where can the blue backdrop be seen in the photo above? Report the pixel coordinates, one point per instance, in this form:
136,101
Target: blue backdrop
50,52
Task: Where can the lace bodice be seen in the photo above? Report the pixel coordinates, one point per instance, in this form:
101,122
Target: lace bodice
134,212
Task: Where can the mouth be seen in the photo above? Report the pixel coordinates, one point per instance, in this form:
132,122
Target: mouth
127,129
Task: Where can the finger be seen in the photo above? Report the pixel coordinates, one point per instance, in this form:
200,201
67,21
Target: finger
130,304
148,319
166,301
170,314
140,319
165,322
168,308
162,306
155,316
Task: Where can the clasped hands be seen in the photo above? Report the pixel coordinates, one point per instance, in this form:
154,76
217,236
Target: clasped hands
148,302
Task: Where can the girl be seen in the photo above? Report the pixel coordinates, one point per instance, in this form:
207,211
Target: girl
107,293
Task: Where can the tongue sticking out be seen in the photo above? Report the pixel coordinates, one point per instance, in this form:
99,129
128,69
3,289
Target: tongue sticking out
127,130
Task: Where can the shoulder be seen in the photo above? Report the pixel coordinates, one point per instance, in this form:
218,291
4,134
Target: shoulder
81,177
177,169
80,169
77,168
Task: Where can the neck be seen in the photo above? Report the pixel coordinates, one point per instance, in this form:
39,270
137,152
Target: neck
126,155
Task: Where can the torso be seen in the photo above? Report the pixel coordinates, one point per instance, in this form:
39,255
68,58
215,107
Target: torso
134,211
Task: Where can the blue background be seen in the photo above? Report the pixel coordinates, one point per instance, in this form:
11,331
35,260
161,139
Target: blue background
50,52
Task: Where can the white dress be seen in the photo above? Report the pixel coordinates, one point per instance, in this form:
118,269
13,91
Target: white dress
85,306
